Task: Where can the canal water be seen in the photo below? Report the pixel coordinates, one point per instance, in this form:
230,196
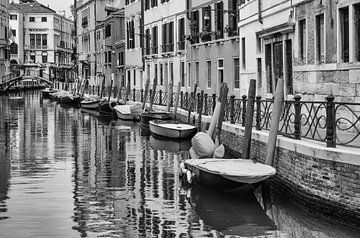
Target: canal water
71,173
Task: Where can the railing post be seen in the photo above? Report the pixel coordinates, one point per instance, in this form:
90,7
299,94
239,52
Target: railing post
330,121
232,109
205,104
198,103
150,94
258,113
160,97
213,102
134,96
297,121
142,95
243,116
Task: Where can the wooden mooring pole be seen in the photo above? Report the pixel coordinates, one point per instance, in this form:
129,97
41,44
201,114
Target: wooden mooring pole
153,93
249,119
147,85
275,121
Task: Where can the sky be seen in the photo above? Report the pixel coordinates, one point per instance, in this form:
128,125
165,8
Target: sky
57,5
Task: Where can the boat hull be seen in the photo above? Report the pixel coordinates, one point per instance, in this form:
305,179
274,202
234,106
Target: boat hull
172,129
148,116
70,100
91,105
126,113
107,108
229,175
46,92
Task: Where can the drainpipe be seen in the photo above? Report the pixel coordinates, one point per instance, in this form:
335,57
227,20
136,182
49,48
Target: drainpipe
259,12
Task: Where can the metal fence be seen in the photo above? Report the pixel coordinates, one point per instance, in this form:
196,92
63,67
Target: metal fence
326,121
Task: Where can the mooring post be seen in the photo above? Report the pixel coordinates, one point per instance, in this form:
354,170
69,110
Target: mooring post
160,97
243,117
249,119
297,121
213,102
330,121
205,104
275,120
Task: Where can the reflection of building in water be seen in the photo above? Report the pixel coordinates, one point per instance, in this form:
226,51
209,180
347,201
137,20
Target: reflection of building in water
4,154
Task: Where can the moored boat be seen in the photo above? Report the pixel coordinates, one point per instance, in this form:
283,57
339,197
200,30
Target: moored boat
160,143
46,92
172,129
128,112
227,174
107,107
153,115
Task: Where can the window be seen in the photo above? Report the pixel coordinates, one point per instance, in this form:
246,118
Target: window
181,37
161,75
32,58
344,34
13,32
302,39
31,19
208,73
134,77
13,17
44,59
357,31
107,31
155,40
147,5
243,53
32,39
233,7
128,78
206,21
44,39
320,44
220,72
130,34
189,74
156,72
85,14
236,73
14,48
194,27
219,20
38,40
182,73
148,71
166,74
171,72
43,19
171,37
154,3
147,42
197,74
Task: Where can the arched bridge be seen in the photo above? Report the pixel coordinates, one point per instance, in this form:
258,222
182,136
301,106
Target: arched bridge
9,83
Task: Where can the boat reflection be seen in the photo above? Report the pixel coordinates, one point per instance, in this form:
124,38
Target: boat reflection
230,214
159,143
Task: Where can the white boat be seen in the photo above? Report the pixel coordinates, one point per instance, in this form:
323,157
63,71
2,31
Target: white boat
172,129
227,174
129,112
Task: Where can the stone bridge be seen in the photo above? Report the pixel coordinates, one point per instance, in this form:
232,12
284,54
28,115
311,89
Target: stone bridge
9,83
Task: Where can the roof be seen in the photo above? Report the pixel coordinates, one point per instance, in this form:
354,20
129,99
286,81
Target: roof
31,7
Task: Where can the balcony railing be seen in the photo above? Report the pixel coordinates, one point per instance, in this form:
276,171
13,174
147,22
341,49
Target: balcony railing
154,50
181,45
170,47
163,48
36,47
14,56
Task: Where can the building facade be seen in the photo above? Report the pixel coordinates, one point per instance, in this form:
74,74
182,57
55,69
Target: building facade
110,42
4,30
41,40
164,42
134,40
213,52
312,45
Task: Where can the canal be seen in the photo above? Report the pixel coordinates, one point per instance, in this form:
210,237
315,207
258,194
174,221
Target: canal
69,173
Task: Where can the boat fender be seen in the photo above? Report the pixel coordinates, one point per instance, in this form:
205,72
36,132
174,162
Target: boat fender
189,176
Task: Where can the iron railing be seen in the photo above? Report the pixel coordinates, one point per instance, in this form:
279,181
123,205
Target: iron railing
334,123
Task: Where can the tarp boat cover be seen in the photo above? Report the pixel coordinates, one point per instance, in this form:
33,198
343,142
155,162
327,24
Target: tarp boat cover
237,170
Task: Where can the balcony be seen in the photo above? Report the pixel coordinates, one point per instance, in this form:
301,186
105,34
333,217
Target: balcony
36,47
14,56
181,45
163,48
170,47
154,50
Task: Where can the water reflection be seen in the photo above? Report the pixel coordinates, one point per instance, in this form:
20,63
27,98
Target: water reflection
71,173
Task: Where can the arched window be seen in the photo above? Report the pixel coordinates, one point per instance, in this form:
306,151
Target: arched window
14,48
